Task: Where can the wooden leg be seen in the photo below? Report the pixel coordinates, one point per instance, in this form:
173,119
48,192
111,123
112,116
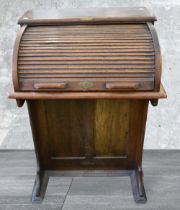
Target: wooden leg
138,186
40,185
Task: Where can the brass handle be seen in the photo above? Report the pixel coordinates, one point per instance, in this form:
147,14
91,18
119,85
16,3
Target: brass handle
39,86
123,85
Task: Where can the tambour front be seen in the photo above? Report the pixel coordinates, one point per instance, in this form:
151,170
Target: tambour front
107,58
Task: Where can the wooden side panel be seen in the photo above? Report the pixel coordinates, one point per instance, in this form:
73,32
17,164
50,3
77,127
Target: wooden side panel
70,127
111,127
37,115
142,110
138,114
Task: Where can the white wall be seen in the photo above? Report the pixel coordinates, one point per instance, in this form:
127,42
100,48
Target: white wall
163,121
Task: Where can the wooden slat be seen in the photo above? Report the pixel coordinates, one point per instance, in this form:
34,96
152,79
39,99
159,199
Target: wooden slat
89,49
69,67
77,55
89,71
31,75
62,62
105,37
96,48
85,28
91,45
81,36
87,58
24,43
88,33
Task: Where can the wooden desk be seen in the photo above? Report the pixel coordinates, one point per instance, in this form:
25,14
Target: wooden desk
87,77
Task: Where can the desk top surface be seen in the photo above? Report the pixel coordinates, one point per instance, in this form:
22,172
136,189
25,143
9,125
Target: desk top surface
72,15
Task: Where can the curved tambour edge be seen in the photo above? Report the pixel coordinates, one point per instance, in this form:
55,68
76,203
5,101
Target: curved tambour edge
87,58
158,59
15,78
15,57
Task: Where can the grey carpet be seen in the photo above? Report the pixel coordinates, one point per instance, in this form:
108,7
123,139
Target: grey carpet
161,176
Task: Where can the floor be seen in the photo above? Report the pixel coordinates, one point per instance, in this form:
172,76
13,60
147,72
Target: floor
162,183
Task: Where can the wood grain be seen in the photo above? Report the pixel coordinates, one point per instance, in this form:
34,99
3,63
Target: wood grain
111,127
66,127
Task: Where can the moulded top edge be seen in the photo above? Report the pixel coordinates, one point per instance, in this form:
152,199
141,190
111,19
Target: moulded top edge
86,15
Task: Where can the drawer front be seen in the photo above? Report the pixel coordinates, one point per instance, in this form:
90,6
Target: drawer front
92,84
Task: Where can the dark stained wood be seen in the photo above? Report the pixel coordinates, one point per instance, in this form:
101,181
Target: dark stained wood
40,133
69,122
20,102
87,77
154,102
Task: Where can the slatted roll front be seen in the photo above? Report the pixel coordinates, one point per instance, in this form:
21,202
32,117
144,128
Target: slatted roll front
86,58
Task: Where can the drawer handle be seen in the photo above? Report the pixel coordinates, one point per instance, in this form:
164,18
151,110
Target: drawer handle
39,86
122,85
